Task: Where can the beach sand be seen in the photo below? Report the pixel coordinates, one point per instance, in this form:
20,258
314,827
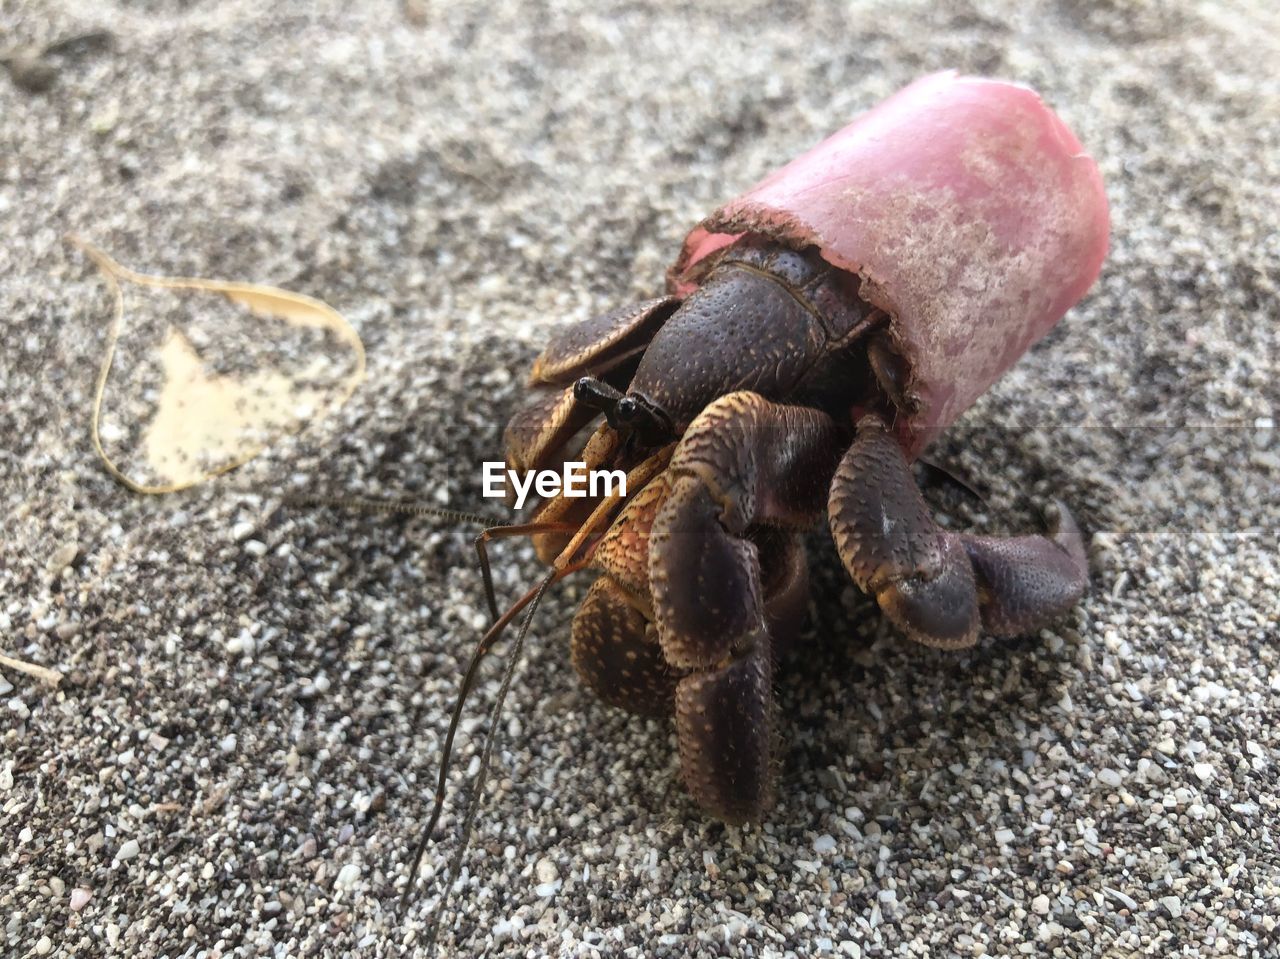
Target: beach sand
228,766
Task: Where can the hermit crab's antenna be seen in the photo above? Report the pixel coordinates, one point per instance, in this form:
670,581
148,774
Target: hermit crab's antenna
569,561
531,599
389,506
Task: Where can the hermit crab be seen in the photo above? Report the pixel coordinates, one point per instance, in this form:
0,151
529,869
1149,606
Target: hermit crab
816,333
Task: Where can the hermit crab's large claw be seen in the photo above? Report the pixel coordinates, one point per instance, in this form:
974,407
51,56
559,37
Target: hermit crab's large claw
727,575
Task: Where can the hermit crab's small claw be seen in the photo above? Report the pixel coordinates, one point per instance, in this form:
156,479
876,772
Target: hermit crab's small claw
602,346
940,587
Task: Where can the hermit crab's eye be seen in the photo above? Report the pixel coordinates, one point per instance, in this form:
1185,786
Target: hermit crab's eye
627,409
646,422
640,418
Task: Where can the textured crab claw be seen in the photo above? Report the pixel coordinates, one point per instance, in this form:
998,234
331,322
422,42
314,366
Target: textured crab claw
968,209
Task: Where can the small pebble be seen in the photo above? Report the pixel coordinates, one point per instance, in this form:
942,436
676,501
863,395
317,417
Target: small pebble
1203,771
62,557
80,898
1122,898
128,850
1040,905
347,876
546,871
242,644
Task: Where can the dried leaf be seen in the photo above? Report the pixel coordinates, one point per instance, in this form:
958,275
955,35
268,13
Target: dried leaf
206,422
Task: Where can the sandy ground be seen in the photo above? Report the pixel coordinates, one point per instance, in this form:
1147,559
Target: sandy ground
227,766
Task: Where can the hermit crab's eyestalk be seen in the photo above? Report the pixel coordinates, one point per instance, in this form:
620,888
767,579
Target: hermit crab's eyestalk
629,413
650,426
596,394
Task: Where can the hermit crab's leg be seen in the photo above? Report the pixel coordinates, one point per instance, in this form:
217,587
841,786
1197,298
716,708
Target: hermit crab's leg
941,587
744,463
1025,582
784,575
616,651
598,452
601,346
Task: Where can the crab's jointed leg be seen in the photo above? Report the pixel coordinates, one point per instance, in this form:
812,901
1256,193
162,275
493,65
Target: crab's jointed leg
940,587
615,641
616,653
615,644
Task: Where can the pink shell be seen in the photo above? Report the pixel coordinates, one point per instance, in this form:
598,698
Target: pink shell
969,210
